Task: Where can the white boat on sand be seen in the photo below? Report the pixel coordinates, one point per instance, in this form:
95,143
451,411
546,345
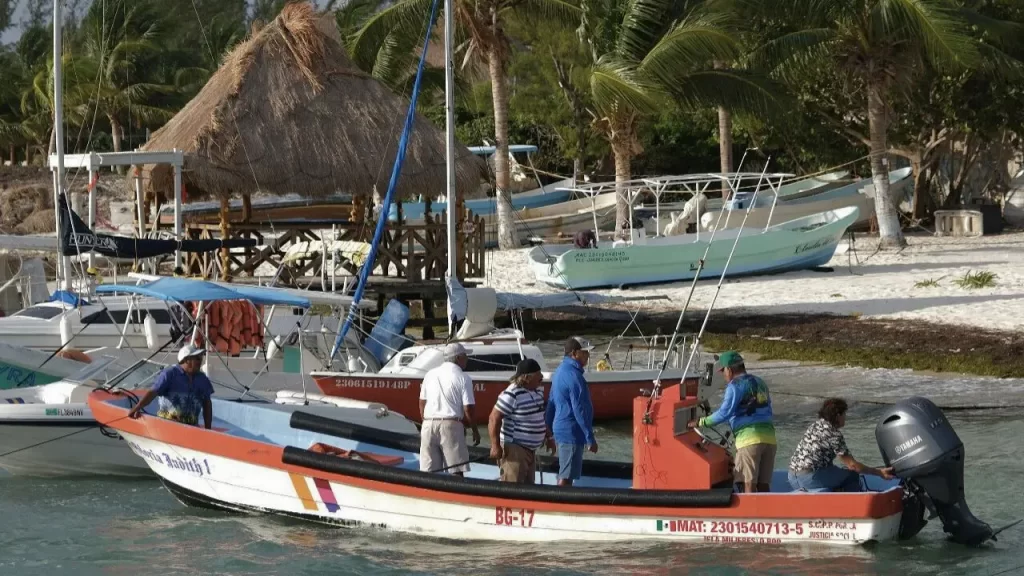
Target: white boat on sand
813,201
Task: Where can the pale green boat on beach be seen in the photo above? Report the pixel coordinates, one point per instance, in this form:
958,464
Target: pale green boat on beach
799,244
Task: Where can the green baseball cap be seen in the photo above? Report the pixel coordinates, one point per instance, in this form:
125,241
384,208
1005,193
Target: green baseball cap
728,359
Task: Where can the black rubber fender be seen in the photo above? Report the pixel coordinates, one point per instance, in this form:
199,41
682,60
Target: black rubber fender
450,484
411,443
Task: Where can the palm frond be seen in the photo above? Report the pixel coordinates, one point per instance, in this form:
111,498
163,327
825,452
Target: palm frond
999,64
406,18
617,87
790,54
943,38
691,45
812,13
1000,32
736,90
642,25
567,12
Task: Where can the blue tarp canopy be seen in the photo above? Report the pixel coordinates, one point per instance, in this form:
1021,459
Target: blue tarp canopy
183,290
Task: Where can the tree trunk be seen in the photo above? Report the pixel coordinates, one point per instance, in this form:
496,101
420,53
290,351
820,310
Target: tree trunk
225,231
28,154
725,146
117,135
507,236
10,151
623,159
923,203
889,232
115,131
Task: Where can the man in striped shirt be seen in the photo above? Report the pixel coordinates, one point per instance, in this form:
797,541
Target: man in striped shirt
518,416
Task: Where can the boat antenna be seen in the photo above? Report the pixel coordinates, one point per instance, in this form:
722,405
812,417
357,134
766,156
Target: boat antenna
700,268
718,289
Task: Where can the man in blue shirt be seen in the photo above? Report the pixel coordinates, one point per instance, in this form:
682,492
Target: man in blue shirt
570,412
183,391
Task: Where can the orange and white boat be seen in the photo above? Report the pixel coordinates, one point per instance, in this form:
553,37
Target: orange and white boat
491,364
678,488
493,354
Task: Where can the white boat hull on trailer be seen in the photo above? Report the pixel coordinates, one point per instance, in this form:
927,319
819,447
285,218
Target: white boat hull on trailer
796,245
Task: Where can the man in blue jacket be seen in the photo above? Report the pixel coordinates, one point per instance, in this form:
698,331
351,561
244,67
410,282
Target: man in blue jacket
570,412
747,406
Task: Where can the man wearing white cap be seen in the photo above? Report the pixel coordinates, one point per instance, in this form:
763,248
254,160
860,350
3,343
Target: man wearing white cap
446,408
183,390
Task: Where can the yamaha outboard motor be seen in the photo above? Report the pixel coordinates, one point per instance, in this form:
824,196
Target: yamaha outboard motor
917,441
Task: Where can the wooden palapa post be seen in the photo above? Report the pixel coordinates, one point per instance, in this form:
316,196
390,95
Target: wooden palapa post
357,214
225,230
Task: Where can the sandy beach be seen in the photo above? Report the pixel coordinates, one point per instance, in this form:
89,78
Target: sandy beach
863,282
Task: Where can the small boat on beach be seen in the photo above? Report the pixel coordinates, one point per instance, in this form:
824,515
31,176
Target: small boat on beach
795,245
767,209
543,195
679,487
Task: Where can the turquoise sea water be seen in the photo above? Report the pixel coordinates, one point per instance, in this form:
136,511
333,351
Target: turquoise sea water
102,527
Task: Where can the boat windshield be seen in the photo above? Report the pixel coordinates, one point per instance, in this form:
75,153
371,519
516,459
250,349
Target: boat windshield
139,375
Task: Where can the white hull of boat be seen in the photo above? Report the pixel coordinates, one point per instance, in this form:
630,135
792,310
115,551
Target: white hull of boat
61,445
198,478
784,212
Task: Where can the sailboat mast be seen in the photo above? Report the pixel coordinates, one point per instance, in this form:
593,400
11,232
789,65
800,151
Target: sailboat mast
449,132
63,267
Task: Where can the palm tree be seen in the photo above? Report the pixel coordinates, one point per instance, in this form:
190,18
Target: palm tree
10,101
480,23
120,43
397,60
877,45
37,104
649,53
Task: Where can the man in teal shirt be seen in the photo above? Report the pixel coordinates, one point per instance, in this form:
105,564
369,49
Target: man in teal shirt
747,406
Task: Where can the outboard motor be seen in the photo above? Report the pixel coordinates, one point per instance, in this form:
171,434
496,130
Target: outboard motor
917,441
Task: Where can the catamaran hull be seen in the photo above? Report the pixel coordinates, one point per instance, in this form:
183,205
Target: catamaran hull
795,245
204,479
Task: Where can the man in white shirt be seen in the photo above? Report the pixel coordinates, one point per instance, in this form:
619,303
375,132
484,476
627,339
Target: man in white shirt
446,408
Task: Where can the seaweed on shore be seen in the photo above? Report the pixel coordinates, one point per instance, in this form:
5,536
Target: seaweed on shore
837,340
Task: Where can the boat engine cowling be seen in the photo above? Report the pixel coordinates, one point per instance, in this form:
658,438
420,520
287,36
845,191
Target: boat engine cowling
919,444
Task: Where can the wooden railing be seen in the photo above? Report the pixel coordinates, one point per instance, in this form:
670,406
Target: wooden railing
410,251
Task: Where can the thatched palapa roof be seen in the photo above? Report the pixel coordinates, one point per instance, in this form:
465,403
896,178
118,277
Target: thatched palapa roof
290,111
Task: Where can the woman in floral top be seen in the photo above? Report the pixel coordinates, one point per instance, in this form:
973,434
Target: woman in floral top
811,468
